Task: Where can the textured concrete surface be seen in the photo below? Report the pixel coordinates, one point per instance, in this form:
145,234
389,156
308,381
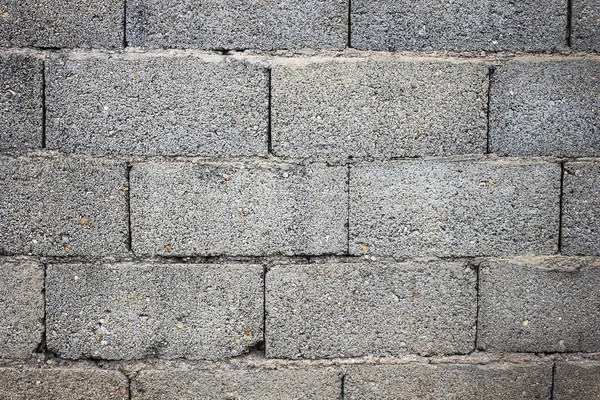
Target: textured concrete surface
379,109
129,311
238,24
378,309
20,102
459,25
232,208
21,308
465,382
157,106
436,208
577,381
581,208
546,108
539,304
585,30
61,23
62,207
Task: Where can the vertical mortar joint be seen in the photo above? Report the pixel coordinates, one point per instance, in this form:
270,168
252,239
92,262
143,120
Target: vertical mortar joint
124,23
569,27
269,106
491,71
349,26
128,206
343,386
43,104
560,206
552,388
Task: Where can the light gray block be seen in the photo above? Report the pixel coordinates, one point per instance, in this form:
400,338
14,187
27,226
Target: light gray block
238,24
581,209
153,105
449,381
445,208
62,207
463,25
383,309
61,23
379,109
547,108
238,208
577,381
20,102
585,31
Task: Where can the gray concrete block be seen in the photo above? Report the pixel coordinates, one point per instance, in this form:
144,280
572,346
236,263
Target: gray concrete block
577,381
20,102
379,109
61,23
382,309
238,24
449,381
132,311
581,209
62,207
237,208
446,208
546,108
260,384
463,25
585,30
21,308
152,105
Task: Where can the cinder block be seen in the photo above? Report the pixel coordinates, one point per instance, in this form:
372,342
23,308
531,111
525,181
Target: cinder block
585,32
449,381
236,208
382,309
132,311
62,207
577,381
379,109
546,108
151,105
462,25
581,209
238,24
20,102
21,308
61,23
445,208
539,304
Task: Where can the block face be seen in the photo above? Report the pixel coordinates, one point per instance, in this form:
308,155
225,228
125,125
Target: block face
238,24
20,102
133,311
547,108
379,109
61,23
577,381
384,309
62,207
231,208
149,105
461,25
581,208
585,31
445,208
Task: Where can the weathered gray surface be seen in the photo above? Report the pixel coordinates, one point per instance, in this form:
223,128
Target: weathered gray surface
20,102
238,208
459,25
379,109
577,381
157,106
354,310
465,382
129,311
539,304
585,32
436,208
581,209
546,108
238,24
62,207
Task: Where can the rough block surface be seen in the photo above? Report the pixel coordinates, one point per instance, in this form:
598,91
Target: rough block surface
577,381
585,32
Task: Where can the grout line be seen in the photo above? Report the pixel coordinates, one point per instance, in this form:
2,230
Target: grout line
552,387
343,386
349,41
569,22
129,395
128,205
477,297
269,104
41,348
489,101
560,207
348,211
124,23
265,270
43,104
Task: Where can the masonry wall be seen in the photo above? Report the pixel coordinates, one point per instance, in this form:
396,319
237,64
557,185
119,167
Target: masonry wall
321,199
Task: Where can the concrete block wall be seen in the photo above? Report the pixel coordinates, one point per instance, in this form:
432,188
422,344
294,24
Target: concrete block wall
272,199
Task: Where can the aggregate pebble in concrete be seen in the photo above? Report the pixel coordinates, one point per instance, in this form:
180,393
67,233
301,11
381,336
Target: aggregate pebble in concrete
546,108
239,208
446,208
62,207
377,309
157,106
463,25
379,109
577,381
129,311
585,32
238,24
